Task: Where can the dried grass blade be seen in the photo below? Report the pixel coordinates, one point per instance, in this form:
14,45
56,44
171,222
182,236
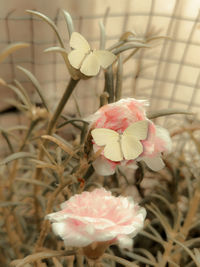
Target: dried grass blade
166,112
63,146
42,164
11,48
40,256
5,135
10,203
15,156
33,181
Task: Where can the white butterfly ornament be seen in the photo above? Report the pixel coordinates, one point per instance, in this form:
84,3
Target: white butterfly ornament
122,146
87,60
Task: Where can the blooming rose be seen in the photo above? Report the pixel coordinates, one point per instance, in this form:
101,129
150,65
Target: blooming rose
95,220
118,116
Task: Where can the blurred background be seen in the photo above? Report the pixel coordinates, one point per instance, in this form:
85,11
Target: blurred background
167,75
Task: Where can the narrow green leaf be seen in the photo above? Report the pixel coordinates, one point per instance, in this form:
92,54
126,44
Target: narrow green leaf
166,112
77,105
61,143
7,132
16,104
23,90
50,22
69,22
56,49
36,85
15,156
109,85
72,121
5,135
19,94
119,79
129,46
34,181
17,128
41,255
102,36
11,48
10,203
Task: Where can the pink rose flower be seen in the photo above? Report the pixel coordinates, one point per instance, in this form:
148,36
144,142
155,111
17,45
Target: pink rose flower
94,220
119,116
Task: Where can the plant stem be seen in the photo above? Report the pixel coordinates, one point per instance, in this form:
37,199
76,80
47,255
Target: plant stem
45,224
63,101
109,84
194,204
72,84
192,211
166,255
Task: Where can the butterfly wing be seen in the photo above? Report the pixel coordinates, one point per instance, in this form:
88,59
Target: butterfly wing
81,48
138,129
105,58
76,58
109,139
77,41
131,146
90,66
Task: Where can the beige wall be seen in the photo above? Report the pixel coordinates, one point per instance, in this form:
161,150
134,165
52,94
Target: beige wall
168,73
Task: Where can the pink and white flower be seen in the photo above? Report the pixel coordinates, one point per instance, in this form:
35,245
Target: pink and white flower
97,219
118,116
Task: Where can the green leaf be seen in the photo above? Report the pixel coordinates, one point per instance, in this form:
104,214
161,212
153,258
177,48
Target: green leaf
34,181
15,156
130,46
69,22
11,48
109,84
19,94
23,90
10,203
15,103
36,85
102,36
61,143
50,22
166,112
119,79
5,135
58,49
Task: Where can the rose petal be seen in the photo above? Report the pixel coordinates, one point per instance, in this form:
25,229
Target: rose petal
71,238
125,242
154,163
103,167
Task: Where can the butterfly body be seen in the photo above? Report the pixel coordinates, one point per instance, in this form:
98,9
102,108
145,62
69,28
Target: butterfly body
122,146
84,58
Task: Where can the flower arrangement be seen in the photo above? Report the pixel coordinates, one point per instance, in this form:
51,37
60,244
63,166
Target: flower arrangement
108,215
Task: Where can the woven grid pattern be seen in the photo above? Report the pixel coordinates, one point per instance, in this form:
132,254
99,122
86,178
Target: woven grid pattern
168,74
